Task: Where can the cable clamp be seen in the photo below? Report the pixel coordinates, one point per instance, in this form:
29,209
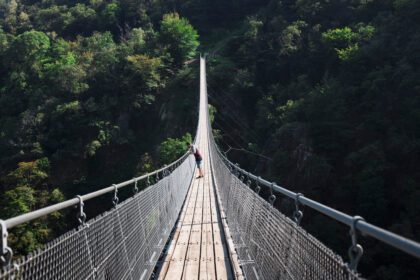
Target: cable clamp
237,170
115,199
272,197
6,253
257,187
148,180
297,214
165,171
81,215
356,250
135,189
248,181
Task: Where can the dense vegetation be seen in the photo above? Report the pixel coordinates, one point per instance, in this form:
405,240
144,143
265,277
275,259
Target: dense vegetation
85,90
322,96
330,92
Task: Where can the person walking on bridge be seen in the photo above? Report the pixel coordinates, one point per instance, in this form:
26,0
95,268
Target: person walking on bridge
198,159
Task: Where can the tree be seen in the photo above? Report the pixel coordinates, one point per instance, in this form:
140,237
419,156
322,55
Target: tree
31,45
9,11
110,15
84,20
179,38
144,78
30,190
137,40
63,70
18,201
173,148
345,41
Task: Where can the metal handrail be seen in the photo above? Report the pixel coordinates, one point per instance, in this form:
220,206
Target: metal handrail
78,200
6,253
27,217
404,244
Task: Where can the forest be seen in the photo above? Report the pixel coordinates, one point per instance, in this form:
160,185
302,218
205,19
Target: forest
321,96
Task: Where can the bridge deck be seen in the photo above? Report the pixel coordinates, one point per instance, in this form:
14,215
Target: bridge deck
198,249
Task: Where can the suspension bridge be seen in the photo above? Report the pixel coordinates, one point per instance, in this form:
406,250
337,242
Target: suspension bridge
180,227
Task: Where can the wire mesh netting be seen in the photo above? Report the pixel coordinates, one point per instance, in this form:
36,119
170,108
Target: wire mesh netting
123,243
269,244
126,242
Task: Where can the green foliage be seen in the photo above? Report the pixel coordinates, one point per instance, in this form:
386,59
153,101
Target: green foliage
19,200
366,32
284,111
348,52
145,69
252,28
100,51
212,113
81,12
92,147
145,165
340,36
73,106
173,148
30,173
106,132
326,89
111,12
291,37
346,42
56,196
178,37
63,69
78,88
329,91
137,40
30,45
30,191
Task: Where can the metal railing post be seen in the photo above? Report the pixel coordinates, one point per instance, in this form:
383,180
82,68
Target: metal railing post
6,252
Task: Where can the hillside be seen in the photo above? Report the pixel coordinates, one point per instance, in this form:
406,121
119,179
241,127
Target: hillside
322,97
88,91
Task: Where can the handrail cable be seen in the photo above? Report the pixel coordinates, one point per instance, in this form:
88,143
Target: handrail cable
139,242
409,246
27,217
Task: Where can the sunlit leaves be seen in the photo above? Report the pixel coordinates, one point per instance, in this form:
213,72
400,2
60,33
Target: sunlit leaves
31,44
253,26
30,173
346,41
146,69
179,37
137,40
20,200
171,149
290,39
110,15
75,79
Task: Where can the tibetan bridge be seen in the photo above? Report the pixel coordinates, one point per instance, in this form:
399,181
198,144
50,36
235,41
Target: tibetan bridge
180,227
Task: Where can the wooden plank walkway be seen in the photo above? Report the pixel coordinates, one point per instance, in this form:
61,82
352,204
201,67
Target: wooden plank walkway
198,249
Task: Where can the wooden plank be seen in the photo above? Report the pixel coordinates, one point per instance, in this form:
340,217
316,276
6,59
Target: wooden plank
199,251
222,261
177,260
236,269
192,262
175,237
207,267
